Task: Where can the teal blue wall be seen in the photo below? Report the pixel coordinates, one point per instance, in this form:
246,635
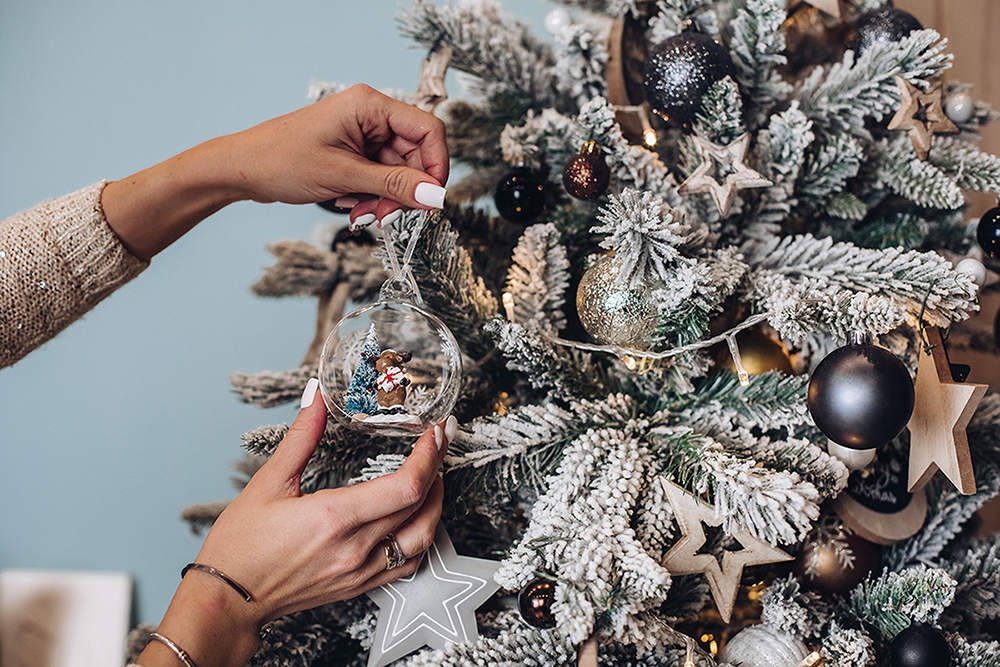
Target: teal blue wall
108,431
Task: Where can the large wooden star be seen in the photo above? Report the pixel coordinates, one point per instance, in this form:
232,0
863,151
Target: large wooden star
734,174
723,573
941,412
921,115
434,606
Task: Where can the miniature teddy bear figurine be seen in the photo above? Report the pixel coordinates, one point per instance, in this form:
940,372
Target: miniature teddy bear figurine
391,381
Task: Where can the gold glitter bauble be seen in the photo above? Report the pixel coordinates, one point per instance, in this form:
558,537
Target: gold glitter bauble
612,314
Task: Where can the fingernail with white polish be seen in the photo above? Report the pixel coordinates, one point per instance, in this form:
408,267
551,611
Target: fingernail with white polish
429,194
391,218
438,436
451,428
346,202
363,221
309,395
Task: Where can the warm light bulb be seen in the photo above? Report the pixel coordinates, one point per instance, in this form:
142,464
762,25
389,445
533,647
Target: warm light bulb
508,305
650,137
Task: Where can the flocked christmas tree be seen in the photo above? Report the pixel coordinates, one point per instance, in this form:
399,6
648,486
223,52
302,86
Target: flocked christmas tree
701,253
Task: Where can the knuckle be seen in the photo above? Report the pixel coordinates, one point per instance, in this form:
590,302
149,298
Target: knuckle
425,538
396,181
411,491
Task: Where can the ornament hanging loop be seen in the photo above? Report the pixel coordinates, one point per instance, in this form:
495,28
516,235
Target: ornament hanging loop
402,285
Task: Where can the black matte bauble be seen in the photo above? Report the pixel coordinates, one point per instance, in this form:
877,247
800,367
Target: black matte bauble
988,232
520,196
331,206
535,603
861,396
879,28
920,645
679,71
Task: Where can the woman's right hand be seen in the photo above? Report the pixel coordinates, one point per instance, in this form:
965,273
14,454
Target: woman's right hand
294,551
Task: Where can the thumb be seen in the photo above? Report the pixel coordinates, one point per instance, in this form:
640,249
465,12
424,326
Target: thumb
410,187
294,451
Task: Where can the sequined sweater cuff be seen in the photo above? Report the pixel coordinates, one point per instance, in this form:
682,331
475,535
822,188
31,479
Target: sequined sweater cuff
57,261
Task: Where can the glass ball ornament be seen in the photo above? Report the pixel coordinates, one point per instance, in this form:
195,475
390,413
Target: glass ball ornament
615,314
534,602
974,268
919,645
586,175
520,196
879,28
679,71
762,646
557,21
959,107
390,368
988,232
860,396
820,569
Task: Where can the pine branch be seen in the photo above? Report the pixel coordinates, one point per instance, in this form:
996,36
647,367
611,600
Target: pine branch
847,647
789,608
771,401
892,601
496,49
757,47
539,278
974,654
897,166
977,596
268,389
971,168
828,171
842,97
581,63
720,118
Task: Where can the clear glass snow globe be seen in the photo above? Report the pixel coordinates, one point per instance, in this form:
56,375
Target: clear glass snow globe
390,368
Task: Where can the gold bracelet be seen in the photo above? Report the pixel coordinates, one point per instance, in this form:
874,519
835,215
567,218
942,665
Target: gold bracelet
215,573
178,651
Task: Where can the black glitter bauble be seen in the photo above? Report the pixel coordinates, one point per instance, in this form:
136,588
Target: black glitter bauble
988,232
860,396
362,237
680,70
535,603
586,175
920,645
520,196
879,28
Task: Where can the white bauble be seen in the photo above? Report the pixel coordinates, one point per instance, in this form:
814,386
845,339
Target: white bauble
760,646
558,20
974,268
854,459
959,107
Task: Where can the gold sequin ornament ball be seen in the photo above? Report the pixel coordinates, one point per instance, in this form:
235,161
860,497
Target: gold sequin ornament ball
615,314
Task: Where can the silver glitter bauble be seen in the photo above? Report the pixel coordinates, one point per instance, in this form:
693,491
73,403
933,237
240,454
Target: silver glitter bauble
760,646
612,314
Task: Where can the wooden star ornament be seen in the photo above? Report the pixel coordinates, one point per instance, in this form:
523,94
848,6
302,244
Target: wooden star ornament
431,90
737,176
921,115
723,573
941,412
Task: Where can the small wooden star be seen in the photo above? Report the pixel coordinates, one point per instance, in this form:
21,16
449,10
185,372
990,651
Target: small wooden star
941,412
831,7
723,573
737,177
430,88
921,115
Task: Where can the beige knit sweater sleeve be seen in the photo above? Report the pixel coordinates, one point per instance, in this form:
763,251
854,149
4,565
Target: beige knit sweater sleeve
57,261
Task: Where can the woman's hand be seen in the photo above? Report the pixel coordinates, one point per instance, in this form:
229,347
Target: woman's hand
293,551
375,154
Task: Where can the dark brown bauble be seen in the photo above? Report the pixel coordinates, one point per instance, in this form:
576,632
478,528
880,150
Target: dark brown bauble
520,196
759,353
880,28
535,603
812,37
586,175
828,575
680,70
988,232
861,396
920,645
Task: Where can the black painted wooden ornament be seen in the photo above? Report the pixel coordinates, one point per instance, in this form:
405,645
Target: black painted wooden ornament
520,196
879,28
586,175
920,645
535,603
861,396
988,232
679,71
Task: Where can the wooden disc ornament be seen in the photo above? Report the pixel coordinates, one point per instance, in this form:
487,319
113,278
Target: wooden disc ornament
876,504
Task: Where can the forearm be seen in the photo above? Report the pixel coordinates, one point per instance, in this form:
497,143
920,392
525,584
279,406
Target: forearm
212,624
151,209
